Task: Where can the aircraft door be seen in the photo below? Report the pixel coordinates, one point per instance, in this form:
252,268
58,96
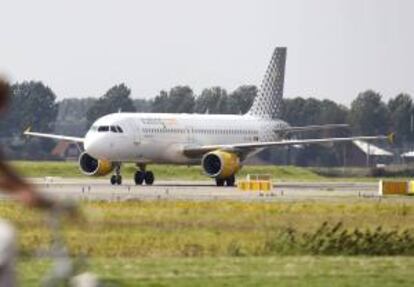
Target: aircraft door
190,134
136,132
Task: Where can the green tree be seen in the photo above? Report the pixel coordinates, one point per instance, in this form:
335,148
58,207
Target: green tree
143,105
369,115
179,99
292,111
71,118
115,99
240,101
160,104
301,112
401,115
311,111
332,113
74,108
32,104
213,101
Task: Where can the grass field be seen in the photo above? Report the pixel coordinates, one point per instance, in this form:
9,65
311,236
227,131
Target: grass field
211,229
183,243
246,271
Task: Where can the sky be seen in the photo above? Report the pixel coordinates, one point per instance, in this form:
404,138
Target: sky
336,48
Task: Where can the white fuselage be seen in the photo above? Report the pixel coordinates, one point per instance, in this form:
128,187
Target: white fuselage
161,138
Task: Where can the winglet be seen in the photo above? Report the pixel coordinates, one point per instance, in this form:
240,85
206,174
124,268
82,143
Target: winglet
27,130
391,138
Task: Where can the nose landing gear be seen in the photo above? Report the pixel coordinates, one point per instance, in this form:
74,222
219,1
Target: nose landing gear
149,178
142,176
116,179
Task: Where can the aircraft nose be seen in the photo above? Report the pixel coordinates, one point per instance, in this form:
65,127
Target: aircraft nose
94,147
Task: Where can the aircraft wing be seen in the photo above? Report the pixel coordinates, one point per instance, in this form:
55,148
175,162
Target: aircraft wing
244,148
53,136
311,128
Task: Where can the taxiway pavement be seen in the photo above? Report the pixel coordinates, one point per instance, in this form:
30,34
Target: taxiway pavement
100,189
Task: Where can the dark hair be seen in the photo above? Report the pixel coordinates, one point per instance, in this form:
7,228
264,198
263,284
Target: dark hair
4,93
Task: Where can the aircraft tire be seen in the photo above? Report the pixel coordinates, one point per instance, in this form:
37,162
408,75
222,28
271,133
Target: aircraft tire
113,180
118,180
220,182
139,177
230,181
149,178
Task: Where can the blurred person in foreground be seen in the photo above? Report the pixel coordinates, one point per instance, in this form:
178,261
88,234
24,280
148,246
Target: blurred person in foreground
17,187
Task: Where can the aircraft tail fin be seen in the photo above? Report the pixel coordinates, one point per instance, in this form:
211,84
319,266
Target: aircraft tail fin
267,103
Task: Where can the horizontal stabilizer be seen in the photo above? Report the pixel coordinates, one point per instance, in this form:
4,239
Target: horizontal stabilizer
370,149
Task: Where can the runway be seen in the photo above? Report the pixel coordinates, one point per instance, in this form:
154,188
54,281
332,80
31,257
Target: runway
100,189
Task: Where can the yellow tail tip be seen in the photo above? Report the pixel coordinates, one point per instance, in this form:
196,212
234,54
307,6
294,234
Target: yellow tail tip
391,137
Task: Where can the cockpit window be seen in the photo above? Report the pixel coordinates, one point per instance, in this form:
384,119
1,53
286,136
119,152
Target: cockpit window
113,129
103,129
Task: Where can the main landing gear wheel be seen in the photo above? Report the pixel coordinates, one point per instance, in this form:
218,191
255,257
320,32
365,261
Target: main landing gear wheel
219,181
144,176
139,177
229,181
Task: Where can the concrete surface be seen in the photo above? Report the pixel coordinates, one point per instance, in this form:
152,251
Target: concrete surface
100,189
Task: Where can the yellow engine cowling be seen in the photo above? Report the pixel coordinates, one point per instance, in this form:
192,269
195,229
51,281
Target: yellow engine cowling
94,167
220,164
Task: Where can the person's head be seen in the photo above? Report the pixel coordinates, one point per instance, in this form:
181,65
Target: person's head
4,94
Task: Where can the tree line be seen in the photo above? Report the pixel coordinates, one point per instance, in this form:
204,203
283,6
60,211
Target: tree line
35,104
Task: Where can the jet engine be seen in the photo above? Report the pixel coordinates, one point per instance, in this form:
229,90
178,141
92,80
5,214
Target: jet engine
220,164
94,167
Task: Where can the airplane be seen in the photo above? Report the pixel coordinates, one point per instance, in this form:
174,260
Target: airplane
219,143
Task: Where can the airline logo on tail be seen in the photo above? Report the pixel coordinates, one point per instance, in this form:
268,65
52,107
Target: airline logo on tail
268,102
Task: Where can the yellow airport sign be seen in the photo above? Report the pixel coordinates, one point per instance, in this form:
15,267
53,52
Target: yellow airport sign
255,185
393,187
